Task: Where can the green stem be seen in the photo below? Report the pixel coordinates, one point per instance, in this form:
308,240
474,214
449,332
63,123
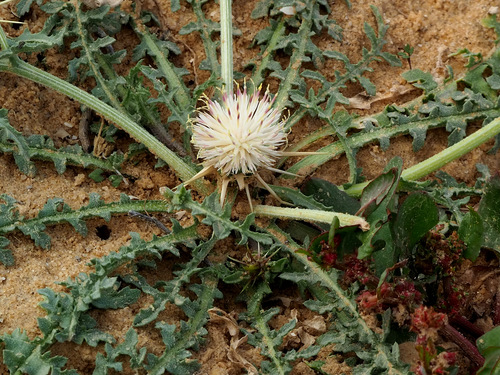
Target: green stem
293,69
310,215
22,69
437,161
311,163
258,75
181,94
206,37
226,44
198,320
349,306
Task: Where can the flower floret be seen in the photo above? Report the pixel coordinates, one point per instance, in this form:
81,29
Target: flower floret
239,135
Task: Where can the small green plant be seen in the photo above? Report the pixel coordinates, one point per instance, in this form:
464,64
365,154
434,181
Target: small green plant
351,252
406,53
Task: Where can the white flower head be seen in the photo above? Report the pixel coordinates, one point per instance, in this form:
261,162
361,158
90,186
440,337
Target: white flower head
241,134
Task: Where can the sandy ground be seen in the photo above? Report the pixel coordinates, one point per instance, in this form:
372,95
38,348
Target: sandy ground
435,28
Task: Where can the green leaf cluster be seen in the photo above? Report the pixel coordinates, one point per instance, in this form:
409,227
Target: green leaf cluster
68,317
56,211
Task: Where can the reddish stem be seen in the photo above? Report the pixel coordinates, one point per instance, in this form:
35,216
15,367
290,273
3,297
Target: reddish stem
496,317
464,324
467,347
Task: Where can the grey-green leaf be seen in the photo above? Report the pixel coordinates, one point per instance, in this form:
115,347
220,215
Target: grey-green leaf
489,209
420,79
21,152
417,215
471,231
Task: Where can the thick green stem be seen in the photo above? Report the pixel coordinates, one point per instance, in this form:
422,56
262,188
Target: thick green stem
437,161
181,94
266,58
310,163
16,66
206,37
226,44
182,169
293,69
311,215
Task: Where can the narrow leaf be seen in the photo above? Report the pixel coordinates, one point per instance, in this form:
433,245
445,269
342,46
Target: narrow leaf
489,209
471,231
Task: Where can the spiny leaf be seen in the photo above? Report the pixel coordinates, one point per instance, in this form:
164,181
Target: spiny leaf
43,148
420,79
24,6
8,211
206,27
25,356
67,317
464,106
167,96
218,217
175,359
6,256
139,247
169,291
266,339
39,147
56,211
142,49
128,348
348,329
21,153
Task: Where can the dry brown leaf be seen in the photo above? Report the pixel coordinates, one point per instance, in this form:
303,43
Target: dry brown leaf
62,133
306,338
316,325
100,3
220,316
363,101
237,358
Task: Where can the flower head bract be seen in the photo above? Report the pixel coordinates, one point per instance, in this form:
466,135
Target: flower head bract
238,136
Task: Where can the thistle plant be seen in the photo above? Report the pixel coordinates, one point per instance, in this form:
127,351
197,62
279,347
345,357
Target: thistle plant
237,137
345,251
242,133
